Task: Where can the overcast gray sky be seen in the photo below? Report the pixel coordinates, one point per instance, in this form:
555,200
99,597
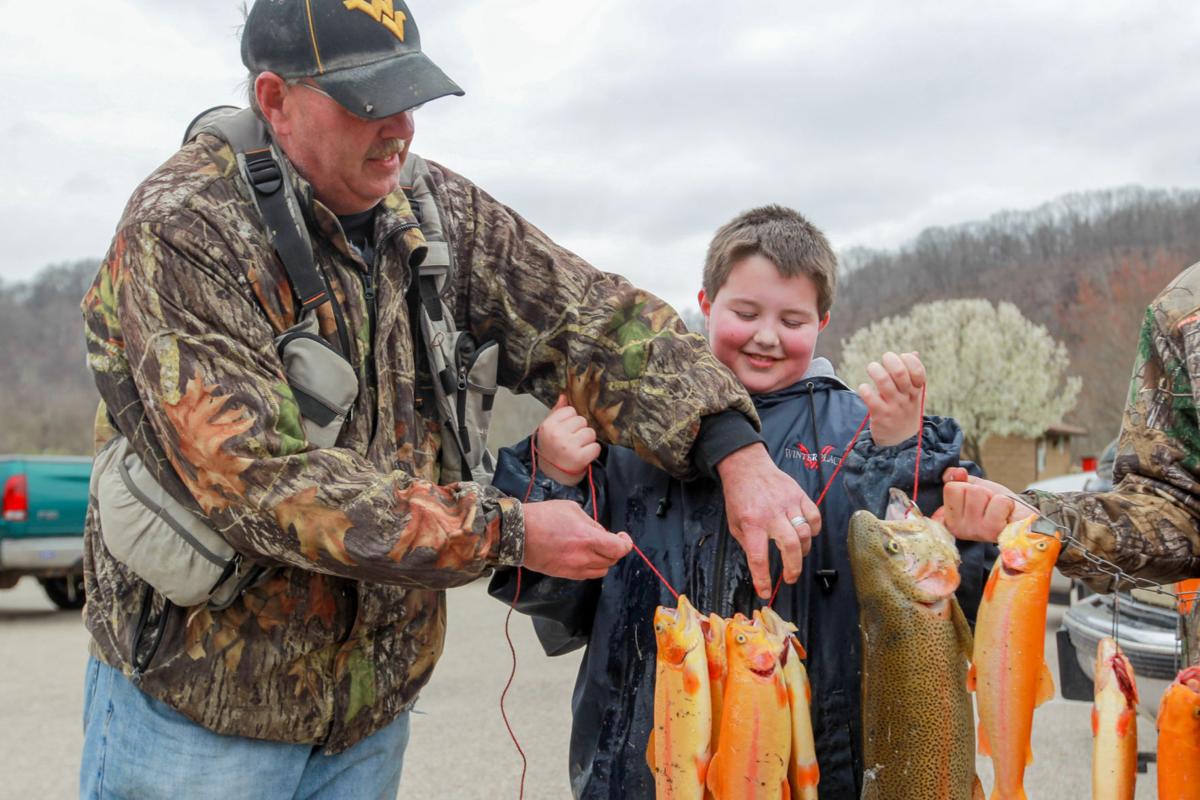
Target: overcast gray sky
629,130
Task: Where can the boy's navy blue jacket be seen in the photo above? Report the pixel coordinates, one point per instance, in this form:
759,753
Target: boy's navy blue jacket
681,528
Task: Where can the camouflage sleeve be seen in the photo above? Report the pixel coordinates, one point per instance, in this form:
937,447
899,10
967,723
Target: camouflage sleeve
628,363
185,361
1150,524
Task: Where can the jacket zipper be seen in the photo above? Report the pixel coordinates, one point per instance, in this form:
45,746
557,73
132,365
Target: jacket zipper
719,570
372,322
140,664
369,294
827,576
370,281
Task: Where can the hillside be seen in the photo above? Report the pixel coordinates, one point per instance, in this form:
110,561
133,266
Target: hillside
47,397
1084,266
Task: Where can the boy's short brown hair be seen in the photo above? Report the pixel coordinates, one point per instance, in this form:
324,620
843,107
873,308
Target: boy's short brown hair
792,243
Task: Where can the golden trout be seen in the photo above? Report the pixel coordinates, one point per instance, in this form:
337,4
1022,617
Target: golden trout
679,751
1114,725
1009,674
751,761
803,772
918,738
714,648
1179,738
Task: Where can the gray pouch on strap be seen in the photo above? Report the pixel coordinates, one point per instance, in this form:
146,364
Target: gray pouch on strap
159,538
323,382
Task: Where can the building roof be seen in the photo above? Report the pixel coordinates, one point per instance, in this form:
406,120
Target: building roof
1064,429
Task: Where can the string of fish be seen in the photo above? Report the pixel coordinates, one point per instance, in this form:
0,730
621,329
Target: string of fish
535,456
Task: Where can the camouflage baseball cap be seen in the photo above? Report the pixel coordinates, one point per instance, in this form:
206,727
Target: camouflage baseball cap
366,54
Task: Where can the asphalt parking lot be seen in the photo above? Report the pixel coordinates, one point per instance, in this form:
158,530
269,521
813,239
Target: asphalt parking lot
460,748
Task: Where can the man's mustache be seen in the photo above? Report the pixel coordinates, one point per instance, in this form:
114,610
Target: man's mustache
387,147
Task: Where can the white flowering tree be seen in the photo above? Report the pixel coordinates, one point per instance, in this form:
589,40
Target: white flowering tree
989,367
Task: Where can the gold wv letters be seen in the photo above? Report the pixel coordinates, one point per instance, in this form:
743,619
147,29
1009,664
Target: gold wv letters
382,12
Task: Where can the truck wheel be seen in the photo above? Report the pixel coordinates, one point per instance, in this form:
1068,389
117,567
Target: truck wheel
66,592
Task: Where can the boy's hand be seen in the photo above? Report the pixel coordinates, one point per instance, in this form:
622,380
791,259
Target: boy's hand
566,445
976,509
564,542
761,503
895,399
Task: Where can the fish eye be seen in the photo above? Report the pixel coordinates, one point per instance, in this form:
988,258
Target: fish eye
658,626
741,638
1196,712
1042,545
892,546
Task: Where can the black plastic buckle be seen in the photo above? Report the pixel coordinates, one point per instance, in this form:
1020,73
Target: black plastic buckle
265,174
827,578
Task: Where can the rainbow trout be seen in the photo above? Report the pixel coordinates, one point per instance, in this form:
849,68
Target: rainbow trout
680,743
803,772
918,736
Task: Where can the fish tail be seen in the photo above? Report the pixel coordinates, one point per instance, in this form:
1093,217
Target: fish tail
982,744
999,794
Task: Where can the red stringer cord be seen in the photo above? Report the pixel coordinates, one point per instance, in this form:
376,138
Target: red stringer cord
512,649
825,490
920,436
533,461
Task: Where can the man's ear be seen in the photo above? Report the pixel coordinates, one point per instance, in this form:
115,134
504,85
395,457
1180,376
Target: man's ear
705,303
270,90
824,321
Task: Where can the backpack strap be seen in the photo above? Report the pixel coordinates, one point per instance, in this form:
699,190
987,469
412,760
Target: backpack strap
265,170
434,272
465,371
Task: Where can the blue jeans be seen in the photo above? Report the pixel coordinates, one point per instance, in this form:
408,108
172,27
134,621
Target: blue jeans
137,747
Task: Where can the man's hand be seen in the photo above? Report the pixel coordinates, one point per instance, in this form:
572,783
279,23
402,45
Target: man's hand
562,541
977,509
566,444
761,502
895,399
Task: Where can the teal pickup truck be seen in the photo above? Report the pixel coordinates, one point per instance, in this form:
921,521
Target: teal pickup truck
43,502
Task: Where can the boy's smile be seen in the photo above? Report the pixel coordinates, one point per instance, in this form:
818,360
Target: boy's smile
762,325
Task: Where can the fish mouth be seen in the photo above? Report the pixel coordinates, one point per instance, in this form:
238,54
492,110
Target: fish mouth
938,582
763,673
1014,562
938,606
683,657
1121,671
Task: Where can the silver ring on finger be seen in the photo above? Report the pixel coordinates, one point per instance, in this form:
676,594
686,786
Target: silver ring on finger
797,521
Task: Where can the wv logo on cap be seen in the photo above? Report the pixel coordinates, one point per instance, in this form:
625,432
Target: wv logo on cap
382,12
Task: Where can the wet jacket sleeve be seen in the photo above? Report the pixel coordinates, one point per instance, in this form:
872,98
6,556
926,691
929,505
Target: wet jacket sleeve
185,361
872,471
1149,525
562,610
627,361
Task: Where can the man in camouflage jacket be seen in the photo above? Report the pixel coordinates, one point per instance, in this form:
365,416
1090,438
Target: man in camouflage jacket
337,643
1149,525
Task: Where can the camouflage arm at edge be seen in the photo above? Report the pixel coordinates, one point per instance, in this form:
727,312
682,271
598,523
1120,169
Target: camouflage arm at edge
1149,525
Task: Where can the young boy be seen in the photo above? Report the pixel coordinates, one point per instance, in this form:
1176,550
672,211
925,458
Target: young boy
768,287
